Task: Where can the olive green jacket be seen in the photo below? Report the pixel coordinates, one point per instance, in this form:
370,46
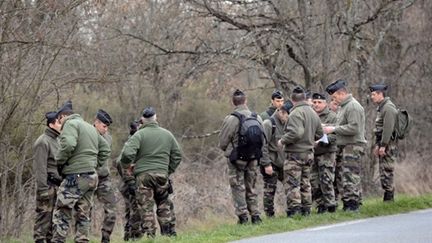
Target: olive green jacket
302,130
385,122
153,150
104,171
82,148
350,128
327,117
271,153
265,115
45,148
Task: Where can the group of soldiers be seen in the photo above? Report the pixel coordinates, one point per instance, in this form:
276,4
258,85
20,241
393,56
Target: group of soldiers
313,144
71,166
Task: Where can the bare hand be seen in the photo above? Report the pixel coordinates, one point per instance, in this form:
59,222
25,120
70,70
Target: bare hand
268,170
375,151
130,170
381,151
328,129
279,144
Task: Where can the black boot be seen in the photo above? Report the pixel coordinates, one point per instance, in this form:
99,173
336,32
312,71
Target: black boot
321,209
105,239
256,219
388,197
305,211
293,211
243,219
269,214
168,230
331,209
351,206
39,241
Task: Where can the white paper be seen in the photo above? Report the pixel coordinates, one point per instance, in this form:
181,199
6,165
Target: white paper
324,139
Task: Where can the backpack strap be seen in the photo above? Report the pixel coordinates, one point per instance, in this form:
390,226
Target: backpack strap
269,112
273,121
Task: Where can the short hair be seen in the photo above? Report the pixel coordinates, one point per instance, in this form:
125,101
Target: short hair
66,113
297,97
239,99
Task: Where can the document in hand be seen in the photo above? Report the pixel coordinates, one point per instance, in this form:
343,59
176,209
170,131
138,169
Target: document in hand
324,139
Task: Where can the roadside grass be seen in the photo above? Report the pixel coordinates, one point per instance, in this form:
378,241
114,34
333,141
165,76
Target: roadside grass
217,229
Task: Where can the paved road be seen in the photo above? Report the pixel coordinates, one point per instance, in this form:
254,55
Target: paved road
410,227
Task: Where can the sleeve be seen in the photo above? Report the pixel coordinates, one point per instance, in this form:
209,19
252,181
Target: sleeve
353,123
389,125
227,131
319,131
104,151
332,121
40,165
294,129
175,156
67,142
130,150
265,160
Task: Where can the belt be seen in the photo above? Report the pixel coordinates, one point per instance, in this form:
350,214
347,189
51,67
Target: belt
81,174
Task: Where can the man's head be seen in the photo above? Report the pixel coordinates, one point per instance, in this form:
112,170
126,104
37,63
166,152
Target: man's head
319,102
133,127
102,121
277,99
238,97
52,120
378,92
338,91
64,111
283,112
149,114
298,94
333,106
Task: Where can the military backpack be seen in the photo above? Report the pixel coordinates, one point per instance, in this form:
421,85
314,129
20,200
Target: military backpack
403,124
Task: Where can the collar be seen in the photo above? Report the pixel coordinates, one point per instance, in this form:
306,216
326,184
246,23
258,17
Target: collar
51,132
149,124
346,100
324,112
301,103
241,108
382,103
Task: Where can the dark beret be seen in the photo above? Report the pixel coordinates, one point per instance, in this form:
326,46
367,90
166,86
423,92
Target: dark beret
318,96
287,106
67,107
378,87
335,86
298,90
133,127
104,117
238,92
149,112
277,95
51,116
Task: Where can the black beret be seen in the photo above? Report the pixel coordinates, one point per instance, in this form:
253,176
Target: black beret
51,116
104,117
238,92
149,112
318,96
277,94
298,90
335,86
67,107
378,87
133,127
287,106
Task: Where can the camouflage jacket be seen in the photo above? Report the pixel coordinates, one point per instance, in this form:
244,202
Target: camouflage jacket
271,153
385,122
327,117
350,128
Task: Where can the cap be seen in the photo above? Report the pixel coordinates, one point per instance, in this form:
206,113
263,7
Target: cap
149,112
104,117
318,96
378,87
335,86
298,90
287,106
238,92
50,116
277,95
67,106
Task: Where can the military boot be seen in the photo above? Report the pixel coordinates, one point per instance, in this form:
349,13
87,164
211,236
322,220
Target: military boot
293,211
105,239
270,214
331,209
243,219
388,197
352,206
321,209
40,241
305,211
256,219
168,230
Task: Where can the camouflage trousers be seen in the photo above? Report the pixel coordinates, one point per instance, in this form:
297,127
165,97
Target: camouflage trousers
105,194
242,180
270,187
351,180
153,188
322,179
337,183
386,168
43,228
297,186
132,227
75,193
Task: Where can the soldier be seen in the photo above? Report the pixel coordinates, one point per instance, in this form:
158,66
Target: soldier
47,178
81,150
271,163
338,168
323,167
127,187
302,130
105,192
385,143
242,174
155,154
277,101
350,135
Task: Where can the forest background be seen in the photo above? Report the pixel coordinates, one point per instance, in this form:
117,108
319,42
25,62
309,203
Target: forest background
185,57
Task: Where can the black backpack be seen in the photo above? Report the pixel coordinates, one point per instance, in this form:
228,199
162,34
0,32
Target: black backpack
250,138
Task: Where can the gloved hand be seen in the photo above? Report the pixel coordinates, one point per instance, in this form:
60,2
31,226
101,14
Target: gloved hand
71,181
132,189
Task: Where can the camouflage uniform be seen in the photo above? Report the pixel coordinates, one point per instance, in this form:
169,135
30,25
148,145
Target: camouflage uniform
350,136
337,184
106,195
302,130
242,174
384,127
323,168
82,149
47,181
156,155
274,157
